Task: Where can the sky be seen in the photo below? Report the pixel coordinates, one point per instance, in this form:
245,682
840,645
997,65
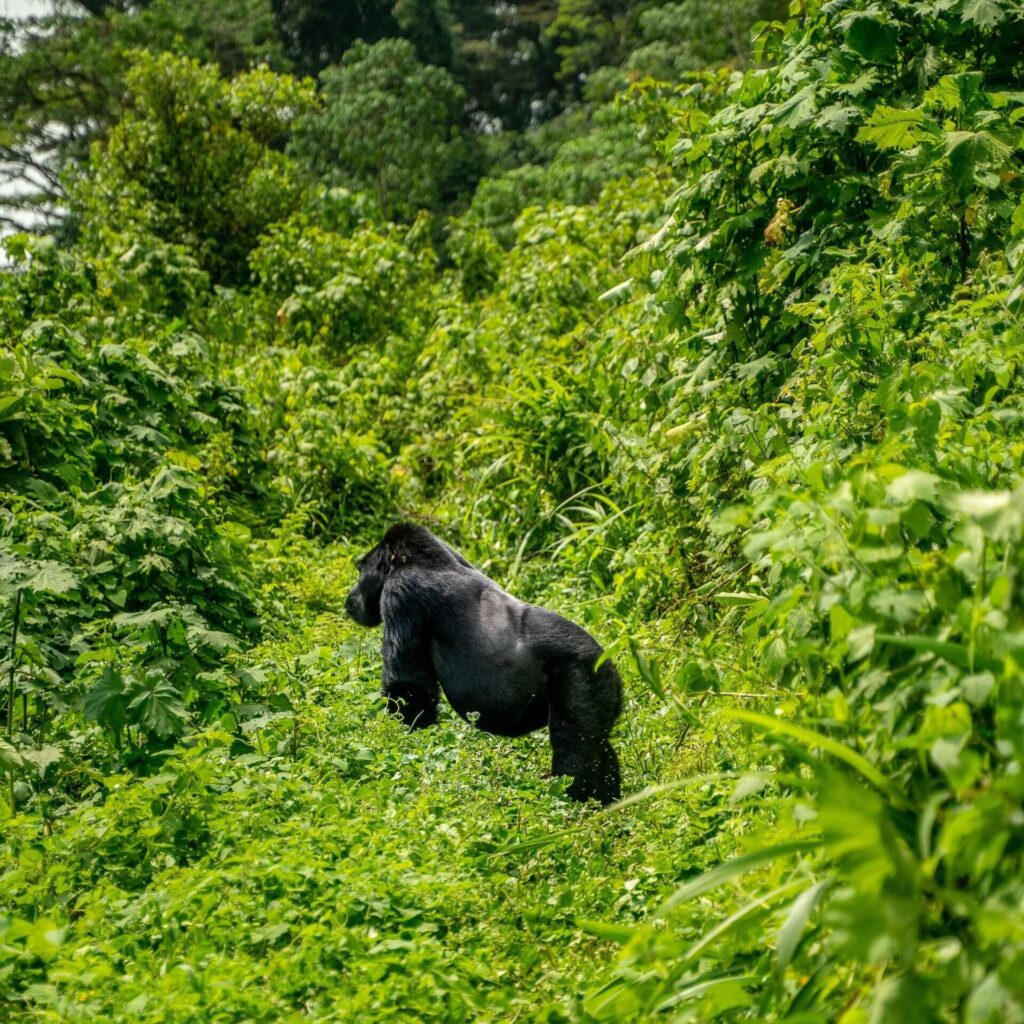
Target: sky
19,8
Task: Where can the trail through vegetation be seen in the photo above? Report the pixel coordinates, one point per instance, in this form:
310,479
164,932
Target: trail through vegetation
716,352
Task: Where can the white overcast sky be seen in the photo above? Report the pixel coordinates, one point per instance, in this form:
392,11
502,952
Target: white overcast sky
19,8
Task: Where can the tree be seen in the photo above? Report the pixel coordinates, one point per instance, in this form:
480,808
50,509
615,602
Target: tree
389,125
197,160
505,60
427,24
652,37
62,80
317,33
689,35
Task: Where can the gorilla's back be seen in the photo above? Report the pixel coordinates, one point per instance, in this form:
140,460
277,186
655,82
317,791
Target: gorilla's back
483,658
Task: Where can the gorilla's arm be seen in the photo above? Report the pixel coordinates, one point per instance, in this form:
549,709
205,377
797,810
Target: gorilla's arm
408,679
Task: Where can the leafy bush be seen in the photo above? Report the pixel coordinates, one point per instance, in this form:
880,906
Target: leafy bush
197,161
343,289
115,552
753,417
389,126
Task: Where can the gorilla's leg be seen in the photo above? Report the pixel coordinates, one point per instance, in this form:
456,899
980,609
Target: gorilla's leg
415,705
583,708
609,776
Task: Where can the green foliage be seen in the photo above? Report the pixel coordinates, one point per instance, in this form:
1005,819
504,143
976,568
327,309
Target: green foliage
427,24
752,416
343,288
573,170
505,61
117,561
658,39
62,78
690,35
196,161
317,33
389,125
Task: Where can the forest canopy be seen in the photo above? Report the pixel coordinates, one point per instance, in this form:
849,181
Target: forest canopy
697,323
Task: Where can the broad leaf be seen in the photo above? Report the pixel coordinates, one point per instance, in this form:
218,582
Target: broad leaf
107,700
892,128
873,39
984,13
158,708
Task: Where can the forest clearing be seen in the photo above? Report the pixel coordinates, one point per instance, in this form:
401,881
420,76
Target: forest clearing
699,325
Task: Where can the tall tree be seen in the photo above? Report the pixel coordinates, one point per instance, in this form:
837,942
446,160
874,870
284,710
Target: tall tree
317,33
654,37
196,160
62,79
427,24
505,60
389,126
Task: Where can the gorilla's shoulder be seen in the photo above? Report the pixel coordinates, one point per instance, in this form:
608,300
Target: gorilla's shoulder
408,535
415,545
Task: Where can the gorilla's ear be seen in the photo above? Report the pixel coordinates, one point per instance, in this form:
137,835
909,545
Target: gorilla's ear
398,553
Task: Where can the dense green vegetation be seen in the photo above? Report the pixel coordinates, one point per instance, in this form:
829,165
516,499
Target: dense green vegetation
717,351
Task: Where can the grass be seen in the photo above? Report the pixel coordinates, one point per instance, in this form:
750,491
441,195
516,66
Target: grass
347,869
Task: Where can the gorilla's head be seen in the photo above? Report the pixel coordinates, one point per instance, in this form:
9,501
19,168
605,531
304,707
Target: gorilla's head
363,601
405,546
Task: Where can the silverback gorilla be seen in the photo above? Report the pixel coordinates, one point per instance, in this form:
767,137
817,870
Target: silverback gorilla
508,666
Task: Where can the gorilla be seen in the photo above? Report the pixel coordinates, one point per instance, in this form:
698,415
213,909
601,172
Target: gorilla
506,666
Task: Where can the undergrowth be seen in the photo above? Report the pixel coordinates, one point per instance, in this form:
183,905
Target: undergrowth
750,412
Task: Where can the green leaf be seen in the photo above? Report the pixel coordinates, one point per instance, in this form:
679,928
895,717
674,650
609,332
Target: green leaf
156,616
892,128
158,708
977,688
873,39
761,903
43,757
620,933
836,117
988,1001
107,700
798,110
729,869
621,290
984,13
796,921
966,150
649,671
10,758
716,993
955,654
861,641
737,599
36,576
50,578
540,842
814,739
913,484
953,91
212,638
982,504
10,405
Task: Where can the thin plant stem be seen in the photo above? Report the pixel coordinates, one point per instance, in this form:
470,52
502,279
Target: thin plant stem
11,653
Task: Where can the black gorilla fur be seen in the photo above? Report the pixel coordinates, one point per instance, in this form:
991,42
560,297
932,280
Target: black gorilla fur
508,666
